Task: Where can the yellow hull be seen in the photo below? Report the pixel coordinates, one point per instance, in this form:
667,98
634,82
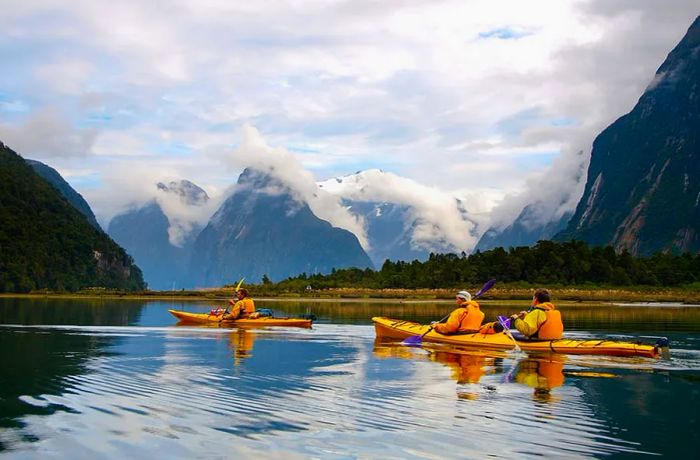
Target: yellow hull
206,318
399,329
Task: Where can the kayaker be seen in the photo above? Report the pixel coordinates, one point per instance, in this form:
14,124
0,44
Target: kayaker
467,317
244,307
541,321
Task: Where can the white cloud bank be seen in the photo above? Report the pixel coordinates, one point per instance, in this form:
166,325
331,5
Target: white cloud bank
474,98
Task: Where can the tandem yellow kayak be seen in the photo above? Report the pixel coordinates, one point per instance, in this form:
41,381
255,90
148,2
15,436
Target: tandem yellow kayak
399,329
210,318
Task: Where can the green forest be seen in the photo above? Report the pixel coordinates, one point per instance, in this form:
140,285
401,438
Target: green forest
45,243
572,263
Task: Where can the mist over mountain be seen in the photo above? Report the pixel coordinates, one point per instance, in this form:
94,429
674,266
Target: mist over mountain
160,244
47,243
526,230
404,220
64,188
263,228
643,188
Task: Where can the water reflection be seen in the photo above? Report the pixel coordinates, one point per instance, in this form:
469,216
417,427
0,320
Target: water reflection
241,342
540,372
109,391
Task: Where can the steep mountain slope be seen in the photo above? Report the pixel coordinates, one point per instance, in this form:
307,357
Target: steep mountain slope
145,232
64,188
643,188
46,243
263,230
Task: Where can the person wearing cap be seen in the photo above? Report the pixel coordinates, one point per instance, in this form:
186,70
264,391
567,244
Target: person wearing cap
541,321
243,308
467,317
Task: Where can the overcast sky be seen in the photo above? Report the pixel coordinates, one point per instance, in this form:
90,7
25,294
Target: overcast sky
472,98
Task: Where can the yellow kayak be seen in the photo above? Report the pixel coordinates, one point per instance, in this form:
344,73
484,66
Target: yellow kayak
399,329
210,318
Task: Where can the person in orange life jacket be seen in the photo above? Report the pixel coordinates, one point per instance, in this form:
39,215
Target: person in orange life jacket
244,307
467,317
541,321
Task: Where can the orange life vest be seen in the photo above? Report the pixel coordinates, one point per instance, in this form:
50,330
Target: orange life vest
471,320
466,318
553,327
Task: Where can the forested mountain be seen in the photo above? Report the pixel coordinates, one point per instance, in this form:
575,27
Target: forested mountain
643,188
262,229
145,233
46,243
64,188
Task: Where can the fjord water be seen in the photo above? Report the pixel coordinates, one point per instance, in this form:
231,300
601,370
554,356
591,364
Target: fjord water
117,378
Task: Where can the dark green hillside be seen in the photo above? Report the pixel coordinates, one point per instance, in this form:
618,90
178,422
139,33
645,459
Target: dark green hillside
45,243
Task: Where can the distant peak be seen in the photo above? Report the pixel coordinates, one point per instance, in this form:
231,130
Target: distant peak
188,192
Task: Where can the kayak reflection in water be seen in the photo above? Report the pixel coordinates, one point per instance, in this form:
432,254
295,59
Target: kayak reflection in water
466,367
241,340
543,374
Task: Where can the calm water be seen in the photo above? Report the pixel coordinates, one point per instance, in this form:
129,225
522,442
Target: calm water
110,379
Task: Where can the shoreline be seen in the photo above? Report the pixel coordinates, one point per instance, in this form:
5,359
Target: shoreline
570,294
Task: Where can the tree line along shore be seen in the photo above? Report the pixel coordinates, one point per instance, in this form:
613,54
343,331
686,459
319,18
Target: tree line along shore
686,295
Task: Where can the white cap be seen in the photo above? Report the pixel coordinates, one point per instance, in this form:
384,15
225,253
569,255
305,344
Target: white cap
464,295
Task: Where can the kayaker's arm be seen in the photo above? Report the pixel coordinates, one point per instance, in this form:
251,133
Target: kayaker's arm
530,324
452,323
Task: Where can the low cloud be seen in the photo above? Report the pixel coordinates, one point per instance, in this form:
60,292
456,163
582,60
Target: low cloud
47,134
550,194
253,152
438,217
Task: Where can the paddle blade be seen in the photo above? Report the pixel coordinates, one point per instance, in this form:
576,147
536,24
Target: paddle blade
488,285
504,320
238,286
413,340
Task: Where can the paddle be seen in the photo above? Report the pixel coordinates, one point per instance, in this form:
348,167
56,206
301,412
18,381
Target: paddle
417,339
506,331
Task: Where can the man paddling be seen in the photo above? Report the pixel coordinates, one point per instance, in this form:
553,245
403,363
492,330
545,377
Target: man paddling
541,321
467,317
243,308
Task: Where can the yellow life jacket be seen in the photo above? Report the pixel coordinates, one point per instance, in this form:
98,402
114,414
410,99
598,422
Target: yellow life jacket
245,306
553,327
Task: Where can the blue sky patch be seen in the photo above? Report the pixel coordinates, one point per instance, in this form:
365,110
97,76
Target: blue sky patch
505,33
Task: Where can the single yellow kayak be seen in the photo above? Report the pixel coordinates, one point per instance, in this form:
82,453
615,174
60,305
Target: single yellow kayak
399,329
209,318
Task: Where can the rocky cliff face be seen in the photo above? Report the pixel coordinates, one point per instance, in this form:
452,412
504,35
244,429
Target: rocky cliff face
262,229
643,187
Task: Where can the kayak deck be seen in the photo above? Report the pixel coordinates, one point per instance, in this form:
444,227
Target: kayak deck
208,318
399,329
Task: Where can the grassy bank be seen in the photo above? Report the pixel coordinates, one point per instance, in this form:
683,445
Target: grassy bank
689,294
